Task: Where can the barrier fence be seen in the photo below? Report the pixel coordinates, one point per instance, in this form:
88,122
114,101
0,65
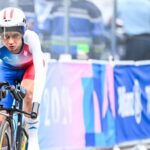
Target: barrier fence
94,104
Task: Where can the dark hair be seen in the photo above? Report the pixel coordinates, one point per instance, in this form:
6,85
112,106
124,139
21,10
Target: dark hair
14,28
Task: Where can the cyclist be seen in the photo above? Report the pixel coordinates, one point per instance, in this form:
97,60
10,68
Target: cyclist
22,59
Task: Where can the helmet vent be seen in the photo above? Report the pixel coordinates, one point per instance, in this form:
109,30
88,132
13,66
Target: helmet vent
6,20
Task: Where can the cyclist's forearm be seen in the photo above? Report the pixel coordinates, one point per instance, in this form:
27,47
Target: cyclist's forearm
39,83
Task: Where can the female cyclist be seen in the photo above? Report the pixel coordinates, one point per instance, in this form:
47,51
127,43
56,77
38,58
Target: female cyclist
22,59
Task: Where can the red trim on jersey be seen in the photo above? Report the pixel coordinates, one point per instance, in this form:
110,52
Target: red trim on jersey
44,63
11,13
4,17
29,73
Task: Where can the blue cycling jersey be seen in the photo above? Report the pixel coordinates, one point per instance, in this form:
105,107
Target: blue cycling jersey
20,60
13,66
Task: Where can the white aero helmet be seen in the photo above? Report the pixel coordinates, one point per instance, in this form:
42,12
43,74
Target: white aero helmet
12,19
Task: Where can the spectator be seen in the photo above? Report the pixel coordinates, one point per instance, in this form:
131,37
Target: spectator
30,24
43,8
28,7
85,29
135,15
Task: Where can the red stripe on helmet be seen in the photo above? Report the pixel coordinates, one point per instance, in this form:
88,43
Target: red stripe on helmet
4,17
11,13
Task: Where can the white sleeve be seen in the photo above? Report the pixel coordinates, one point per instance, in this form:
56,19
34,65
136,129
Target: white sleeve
40,68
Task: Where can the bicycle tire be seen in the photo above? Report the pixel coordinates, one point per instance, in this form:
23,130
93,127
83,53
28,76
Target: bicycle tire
5,135
24,139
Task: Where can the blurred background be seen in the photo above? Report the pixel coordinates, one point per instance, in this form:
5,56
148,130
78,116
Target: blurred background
82,28
89,29
93,29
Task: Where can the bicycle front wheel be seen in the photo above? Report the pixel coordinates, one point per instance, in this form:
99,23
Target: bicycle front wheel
24,139
5,135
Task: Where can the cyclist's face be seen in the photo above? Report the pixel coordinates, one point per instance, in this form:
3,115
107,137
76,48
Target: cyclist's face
12,40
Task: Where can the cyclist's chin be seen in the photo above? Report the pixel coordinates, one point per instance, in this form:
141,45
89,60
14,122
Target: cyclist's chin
12,49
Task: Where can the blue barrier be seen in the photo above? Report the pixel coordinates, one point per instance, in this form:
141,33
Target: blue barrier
132,91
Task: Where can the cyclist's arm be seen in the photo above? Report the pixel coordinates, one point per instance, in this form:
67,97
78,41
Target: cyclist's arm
40,69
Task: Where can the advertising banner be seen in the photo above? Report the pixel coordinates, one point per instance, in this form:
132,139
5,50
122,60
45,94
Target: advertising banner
78,107
132,92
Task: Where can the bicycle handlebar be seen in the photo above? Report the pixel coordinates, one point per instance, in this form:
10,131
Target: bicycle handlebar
35,108
13,110
4,84
3,94
18,95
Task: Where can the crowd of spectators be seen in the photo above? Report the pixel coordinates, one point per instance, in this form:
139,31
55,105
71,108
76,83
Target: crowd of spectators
85,29
89,35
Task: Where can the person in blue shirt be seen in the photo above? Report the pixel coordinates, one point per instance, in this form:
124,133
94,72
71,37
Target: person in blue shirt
135,15
85,29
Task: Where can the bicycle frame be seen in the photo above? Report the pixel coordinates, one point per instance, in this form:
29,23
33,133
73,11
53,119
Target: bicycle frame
17,108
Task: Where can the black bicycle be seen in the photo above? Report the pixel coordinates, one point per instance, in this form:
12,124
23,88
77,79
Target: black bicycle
13,134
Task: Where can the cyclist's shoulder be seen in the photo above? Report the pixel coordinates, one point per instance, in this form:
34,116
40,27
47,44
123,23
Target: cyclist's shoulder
30,35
